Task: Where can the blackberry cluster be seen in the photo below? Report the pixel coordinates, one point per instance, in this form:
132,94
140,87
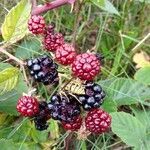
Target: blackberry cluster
65,105
93,96
63,108
41,118
44,70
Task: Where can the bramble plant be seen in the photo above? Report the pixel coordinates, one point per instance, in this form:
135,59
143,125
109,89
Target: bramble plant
68,78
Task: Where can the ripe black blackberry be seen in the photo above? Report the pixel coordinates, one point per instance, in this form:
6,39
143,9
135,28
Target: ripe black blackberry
41,118
44,70
93,96
63,108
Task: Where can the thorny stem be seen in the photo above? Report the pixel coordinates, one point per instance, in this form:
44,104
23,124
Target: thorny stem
48,6
2,50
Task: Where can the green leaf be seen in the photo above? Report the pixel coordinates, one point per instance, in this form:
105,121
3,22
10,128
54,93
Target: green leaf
9,100
107,6
15,25
142,116
98,3
143,75
143,1
39,136
54,129
125,91
9,144
20,131
28,49
8,79
6,144
128,128
109,105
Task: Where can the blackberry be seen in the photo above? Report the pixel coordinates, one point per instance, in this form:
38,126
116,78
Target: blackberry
63,108
86,66
97,121
44,70
74,125
36,24
52,40
93,96
41,118
28,106
40,124
65,54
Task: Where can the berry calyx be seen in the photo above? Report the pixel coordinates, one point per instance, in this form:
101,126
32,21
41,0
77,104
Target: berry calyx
86,66
36,24
74,125
65,54
97,121
28,106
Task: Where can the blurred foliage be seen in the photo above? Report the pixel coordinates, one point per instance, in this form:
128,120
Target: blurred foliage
116,30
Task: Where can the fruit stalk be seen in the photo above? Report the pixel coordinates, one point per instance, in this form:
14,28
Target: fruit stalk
48,6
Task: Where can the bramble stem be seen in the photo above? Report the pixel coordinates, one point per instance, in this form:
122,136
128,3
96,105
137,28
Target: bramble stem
48,6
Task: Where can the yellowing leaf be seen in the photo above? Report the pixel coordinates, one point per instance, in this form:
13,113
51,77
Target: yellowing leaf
141,59
15,25
8,79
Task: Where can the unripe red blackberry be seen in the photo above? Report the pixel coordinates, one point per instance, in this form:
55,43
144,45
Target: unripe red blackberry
36,24
86,66
28,106
74,125
52,41
65,54
97,121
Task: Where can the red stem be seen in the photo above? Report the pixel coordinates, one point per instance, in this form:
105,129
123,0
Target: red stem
48,6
